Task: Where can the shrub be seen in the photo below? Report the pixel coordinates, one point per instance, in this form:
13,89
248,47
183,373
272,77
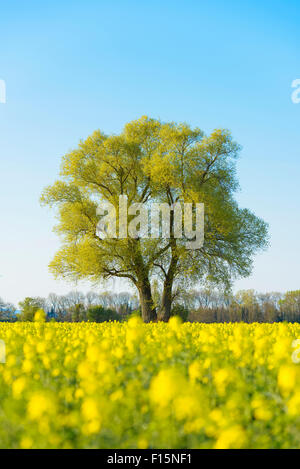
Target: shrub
101,314
181,311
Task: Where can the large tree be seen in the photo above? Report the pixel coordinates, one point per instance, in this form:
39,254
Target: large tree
152,161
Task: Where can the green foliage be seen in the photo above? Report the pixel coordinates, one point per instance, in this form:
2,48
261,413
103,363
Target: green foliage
137,313
290,305
29,307
77,313
151,161
101,314
181,311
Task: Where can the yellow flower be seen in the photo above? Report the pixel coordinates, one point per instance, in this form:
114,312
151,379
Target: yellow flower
232,438
75,385
26,443
187,406
287,378
167,385
40,316
294,405
92,427
90,410
261,408
27,366
222,378
18,387
117,395
142,443
39,405
195,370
79,393
175,323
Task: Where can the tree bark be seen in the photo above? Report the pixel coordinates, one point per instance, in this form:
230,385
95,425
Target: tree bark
167,299
146,301
166,302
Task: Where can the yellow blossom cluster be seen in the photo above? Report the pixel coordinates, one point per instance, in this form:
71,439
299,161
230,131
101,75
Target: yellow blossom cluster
136,385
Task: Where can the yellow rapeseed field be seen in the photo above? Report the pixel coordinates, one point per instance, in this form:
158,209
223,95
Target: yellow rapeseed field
135,385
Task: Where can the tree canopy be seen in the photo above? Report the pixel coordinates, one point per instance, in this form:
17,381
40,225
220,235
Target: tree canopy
153,162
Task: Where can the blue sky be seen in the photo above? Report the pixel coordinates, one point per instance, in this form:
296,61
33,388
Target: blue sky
71,67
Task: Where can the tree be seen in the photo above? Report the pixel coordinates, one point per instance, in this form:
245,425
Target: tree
77,312
7,311
181,311
248,301
91,298
29,307
194,168
57,306
148,162
290,306
101,314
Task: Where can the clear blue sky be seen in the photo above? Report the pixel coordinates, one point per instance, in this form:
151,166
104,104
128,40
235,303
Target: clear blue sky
71,67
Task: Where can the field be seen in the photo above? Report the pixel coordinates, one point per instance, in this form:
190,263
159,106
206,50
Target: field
133,385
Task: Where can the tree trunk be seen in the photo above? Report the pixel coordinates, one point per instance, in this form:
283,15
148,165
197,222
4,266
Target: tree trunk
166,302
146,301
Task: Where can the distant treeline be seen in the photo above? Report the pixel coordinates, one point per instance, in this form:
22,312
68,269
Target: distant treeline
204,305
78,307
244,306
